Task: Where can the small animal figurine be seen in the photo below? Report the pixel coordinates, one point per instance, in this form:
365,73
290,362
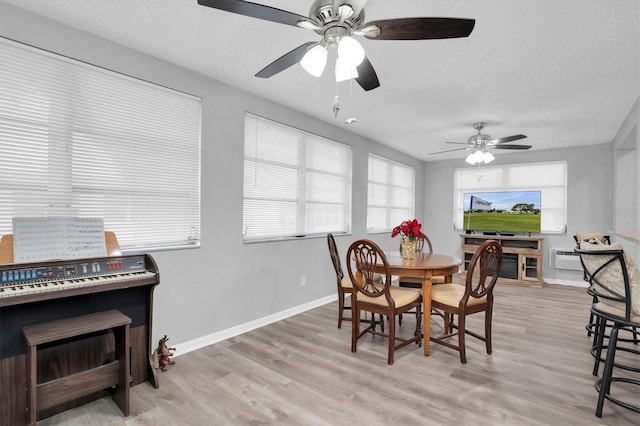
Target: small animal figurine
162,355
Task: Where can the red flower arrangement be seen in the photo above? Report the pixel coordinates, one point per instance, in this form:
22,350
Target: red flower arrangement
409,228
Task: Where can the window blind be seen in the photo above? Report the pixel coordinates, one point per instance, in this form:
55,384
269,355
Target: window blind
79,140
391,194
550,178
295,183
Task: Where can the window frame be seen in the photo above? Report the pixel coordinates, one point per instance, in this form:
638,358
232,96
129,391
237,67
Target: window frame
103,141
306,197
391,191
477,174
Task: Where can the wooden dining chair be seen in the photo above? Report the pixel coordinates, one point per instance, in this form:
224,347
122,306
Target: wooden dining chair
415,282
346,287
385,299
475,296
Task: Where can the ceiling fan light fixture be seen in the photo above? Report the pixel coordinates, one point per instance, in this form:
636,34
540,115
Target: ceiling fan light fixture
336,21
351,51
479,157
487,157
471,159
345,71
315,60
475,157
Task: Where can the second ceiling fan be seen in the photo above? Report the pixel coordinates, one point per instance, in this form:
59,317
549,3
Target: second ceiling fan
480,143
337,21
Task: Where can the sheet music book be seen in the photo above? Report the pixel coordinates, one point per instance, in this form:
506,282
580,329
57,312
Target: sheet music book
60,237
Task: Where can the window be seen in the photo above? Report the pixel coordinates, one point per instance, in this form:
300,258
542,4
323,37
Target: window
296,184
78,140
549,178
391,194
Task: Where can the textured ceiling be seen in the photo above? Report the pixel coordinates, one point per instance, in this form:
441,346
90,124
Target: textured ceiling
564,73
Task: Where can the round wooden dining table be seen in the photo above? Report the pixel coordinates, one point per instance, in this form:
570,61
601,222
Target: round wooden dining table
425,266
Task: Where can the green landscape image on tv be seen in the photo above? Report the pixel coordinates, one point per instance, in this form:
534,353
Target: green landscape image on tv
507,212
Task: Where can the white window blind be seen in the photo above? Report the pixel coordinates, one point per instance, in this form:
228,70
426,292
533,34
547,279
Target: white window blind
295,183
79,140
391,194
550,178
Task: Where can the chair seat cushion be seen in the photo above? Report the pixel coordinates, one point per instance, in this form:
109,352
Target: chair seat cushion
450,295
346,281
401,296
613,310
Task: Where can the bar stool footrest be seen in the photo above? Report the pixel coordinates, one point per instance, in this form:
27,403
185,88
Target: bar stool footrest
615,400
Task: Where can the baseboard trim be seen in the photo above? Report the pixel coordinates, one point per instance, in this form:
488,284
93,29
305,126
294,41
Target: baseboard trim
571,283
219,336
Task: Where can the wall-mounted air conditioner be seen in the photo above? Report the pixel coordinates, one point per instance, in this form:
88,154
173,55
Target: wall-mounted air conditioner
565,258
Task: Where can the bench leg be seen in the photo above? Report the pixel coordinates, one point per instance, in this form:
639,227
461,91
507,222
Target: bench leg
121,393
32,384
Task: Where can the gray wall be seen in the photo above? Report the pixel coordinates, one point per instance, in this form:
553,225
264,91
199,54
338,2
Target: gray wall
589,184
626,157
224,283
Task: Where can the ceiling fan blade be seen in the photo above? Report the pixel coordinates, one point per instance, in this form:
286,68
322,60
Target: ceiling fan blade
422,28
367,77
285,61
506,139
448,150
508,146
459,143
255,10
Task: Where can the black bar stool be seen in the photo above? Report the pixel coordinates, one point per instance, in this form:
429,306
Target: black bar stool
615,283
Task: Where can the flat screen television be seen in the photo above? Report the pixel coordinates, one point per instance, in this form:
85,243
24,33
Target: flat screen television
507,212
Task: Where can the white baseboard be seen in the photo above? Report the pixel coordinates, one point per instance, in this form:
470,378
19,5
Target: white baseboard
571,283
219,336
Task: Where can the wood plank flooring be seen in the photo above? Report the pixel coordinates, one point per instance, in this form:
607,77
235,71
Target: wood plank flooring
300,371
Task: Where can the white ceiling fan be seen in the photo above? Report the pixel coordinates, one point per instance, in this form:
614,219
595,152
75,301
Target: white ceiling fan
480,143
337,22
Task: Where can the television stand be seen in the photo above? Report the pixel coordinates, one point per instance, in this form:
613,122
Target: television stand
521,257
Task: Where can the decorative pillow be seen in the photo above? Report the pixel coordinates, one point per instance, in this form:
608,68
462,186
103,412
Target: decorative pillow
593,238
611,276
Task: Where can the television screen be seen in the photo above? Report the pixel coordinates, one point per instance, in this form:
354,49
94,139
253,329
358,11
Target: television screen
507,212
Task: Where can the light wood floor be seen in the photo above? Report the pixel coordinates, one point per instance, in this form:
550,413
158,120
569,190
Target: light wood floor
300,371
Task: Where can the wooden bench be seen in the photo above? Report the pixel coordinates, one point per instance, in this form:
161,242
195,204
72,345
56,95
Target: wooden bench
116,373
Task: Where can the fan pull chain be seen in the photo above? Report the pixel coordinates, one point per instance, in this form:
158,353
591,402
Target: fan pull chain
336,103
351,120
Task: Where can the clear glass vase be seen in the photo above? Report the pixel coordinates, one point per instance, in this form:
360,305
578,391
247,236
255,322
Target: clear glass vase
408,247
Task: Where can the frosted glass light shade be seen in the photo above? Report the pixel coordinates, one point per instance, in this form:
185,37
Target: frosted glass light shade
315,60
350,50
487,157
479,157
471,158
345,71
475,157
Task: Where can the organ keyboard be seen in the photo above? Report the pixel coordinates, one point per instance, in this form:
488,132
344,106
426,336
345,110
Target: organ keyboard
24,283
32,293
